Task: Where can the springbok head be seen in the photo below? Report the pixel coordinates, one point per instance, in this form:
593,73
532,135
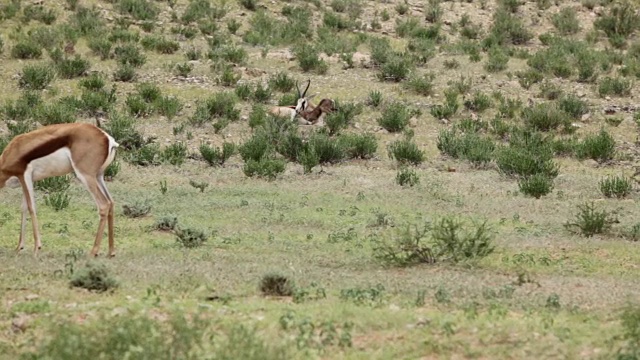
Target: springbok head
303,101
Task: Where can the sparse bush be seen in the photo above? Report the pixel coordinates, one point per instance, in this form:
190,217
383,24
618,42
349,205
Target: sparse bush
566,21
56,113
329,150
405,151
447,240
58,200
136,209
190,238
261,93
395,117
168,106
396,68
26,49
124,73
274,284
130,54
309,60
618,186
183,69
619,22
407,177
217,156
359,146
614,86
529,77
94,277
573,106
527,159
422,85
166,223
536,185
546,117
375,98
599,147
281,81
174,154
497,60
72,68
470,146
590,221
265,167
479,103
112,170
100,46
138,9
179,336
36,77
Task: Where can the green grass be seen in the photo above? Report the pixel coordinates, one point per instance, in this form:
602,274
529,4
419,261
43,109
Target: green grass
485,104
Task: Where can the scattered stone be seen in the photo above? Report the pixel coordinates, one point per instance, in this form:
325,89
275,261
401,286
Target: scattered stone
31,297
585,117
19,324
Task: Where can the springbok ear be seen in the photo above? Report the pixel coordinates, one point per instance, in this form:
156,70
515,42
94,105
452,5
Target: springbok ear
311,96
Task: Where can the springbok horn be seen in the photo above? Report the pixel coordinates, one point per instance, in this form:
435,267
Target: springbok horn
305,90
298,89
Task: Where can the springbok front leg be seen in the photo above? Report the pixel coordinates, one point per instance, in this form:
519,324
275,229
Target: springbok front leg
23,223
27,189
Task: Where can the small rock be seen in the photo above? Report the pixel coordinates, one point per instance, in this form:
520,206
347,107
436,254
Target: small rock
394,307
444,121
118,311
31,297
585,117
244,117
451,169
608,98
20,324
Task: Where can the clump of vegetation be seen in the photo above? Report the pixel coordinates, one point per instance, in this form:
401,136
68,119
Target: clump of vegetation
395,117
405,151
36,77
190,238
616,186
275,284
217,156
600,147
136,209
407,177
94,277
58,200
589,221
166,223
536,185
447,240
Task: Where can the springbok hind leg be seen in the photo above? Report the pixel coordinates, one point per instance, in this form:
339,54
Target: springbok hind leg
104,207
105,192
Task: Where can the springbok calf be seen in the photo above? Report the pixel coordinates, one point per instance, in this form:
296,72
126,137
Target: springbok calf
315,116
57,150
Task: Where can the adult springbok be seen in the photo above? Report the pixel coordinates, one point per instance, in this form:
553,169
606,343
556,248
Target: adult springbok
291,111
57,150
